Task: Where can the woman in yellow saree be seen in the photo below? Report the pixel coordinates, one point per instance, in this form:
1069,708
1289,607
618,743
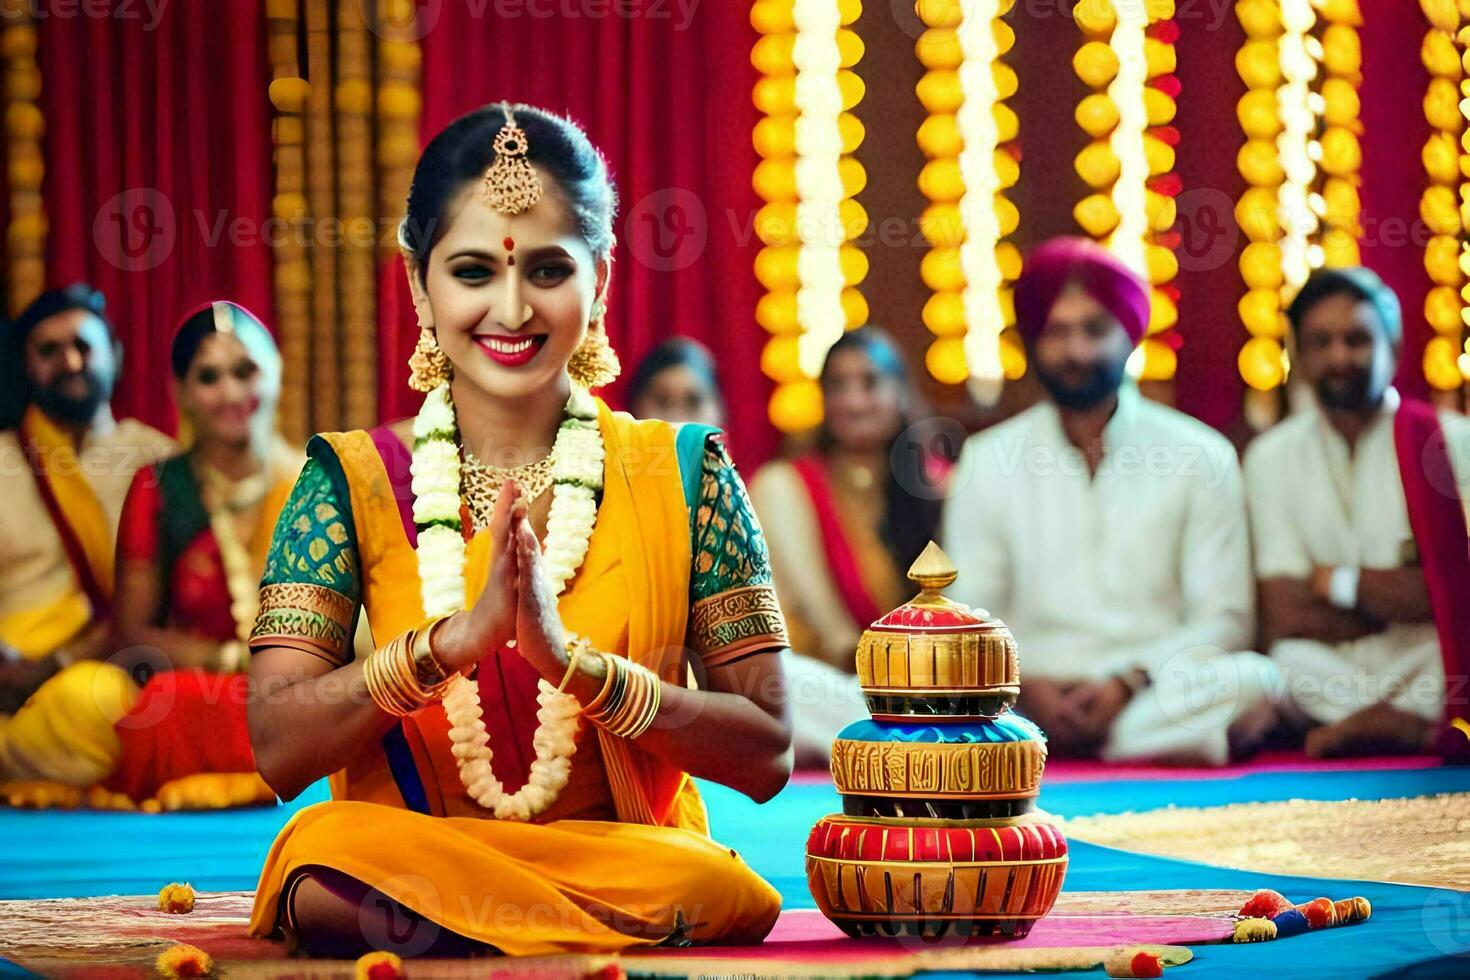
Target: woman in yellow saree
469,811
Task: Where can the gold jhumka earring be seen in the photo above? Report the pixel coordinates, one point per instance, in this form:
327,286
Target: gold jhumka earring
594,363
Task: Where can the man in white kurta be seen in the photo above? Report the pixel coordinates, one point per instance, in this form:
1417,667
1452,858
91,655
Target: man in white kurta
1121,566
1344,606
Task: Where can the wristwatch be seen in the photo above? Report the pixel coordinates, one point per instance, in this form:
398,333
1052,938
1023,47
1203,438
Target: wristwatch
1135,679
1342,587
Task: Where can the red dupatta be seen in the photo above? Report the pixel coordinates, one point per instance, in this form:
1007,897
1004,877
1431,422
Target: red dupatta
841,560
1437,517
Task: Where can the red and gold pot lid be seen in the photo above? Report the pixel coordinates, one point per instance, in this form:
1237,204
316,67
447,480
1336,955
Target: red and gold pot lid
933,647
931,610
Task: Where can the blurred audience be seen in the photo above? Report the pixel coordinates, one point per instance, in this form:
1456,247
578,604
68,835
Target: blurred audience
189,555
676,382
1359,530
1109,532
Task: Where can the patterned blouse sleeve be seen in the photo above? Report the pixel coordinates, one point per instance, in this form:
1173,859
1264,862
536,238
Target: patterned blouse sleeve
309,594
734,612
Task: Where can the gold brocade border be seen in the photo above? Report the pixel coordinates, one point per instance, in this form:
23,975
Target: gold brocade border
936,770
737,616
899,890
926,661
921,865
922,823
304,611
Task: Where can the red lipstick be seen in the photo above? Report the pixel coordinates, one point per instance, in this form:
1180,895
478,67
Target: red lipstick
511,351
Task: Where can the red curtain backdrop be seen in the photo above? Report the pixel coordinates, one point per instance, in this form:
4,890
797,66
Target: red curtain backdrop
1208,383
668,101
1395,130
158,171
158,176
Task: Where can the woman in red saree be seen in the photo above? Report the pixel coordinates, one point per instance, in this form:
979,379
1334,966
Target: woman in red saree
846,519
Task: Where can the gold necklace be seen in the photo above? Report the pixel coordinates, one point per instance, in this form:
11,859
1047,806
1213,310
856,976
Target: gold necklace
855,475
481,482
234,495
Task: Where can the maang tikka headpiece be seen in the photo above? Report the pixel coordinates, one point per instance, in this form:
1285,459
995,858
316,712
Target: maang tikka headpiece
511,184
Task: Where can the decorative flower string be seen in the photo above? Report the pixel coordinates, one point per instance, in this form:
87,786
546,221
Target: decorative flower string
577,475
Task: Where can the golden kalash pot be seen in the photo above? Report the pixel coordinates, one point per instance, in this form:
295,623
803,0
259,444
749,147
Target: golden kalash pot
937,832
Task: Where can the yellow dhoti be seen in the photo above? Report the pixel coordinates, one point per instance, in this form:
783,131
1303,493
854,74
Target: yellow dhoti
64,732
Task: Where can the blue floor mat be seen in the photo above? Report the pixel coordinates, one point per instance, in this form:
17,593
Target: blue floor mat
1075,799
1418,931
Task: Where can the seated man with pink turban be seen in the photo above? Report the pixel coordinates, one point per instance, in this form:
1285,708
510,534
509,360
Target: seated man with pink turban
1109,532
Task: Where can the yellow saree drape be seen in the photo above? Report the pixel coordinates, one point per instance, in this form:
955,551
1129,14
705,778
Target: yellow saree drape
37,631
570,884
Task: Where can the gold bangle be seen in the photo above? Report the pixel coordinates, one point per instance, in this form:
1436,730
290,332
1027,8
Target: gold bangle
633,705
577,646
608,676
607,703
378,688
392,680
426,665
652,696
656,690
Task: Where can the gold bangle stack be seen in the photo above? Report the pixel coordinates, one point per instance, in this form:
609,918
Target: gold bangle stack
629,700
403,675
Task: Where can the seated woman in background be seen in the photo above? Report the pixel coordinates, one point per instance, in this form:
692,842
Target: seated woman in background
191,548
196,527
846,520
676,382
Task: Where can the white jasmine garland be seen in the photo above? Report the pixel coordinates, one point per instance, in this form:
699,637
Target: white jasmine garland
577,473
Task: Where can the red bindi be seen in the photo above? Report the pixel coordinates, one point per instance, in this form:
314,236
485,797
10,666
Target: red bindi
509,243
511,260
